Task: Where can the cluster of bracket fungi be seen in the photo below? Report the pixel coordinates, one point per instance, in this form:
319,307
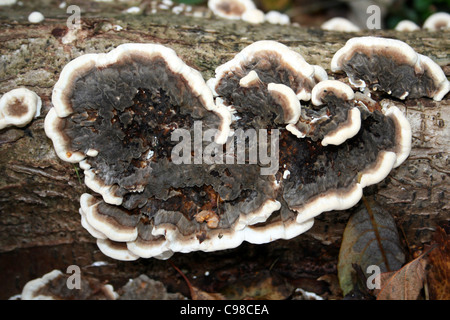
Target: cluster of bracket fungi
115,114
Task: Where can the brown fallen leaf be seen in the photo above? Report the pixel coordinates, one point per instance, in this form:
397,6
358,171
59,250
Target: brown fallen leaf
438,274
196,293
370,239
406,283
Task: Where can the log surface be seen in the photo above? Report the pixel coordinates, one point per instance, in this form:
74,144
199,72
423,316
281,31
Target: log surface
40,226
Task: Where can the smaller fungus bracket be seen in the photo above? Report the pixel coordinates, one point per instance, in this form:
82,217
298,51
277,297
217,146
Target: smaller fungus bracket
403,133
264,80
437,21
112,221
406,26
104,222
31,290
337,88
273,62
231,9
53,286
287,99
335,92
86,201
19,107
339,24
323,178
391,66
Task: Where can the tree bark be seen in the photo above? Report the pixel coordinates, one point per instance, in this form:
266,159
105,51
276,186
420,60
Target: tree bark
40,226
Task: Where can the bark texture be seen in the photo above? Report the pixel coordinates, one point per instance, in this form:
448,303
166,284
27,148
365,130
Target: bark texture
40,226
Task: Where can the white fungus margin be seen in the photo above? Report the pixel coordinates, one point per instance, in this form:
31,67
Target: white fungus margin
18,107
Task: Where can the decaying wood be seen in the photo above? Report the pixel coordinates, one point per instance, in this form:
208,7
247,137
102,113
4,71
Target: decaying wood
40,226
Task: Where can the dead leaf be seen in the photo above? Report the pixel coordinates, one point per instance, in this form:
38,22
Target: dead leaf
370,239
404,284
382,279
438,275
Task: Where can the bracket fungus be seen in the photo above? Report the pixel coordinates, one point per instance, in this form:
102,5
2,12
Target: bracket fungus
437,21
273,62
236,10
120,114
55,286
391,66
340,24
324,178
407,26
18,107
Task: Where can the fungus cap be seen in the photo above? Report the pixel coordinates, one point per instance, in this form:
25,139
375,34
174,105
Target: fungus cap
269,56
340,24
54,286
379,62
106,220
374,45
287,98
337,88
406,26
231,9
18,107
343,195
119,87
345,131
437,21
428,66
404,134
31,289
